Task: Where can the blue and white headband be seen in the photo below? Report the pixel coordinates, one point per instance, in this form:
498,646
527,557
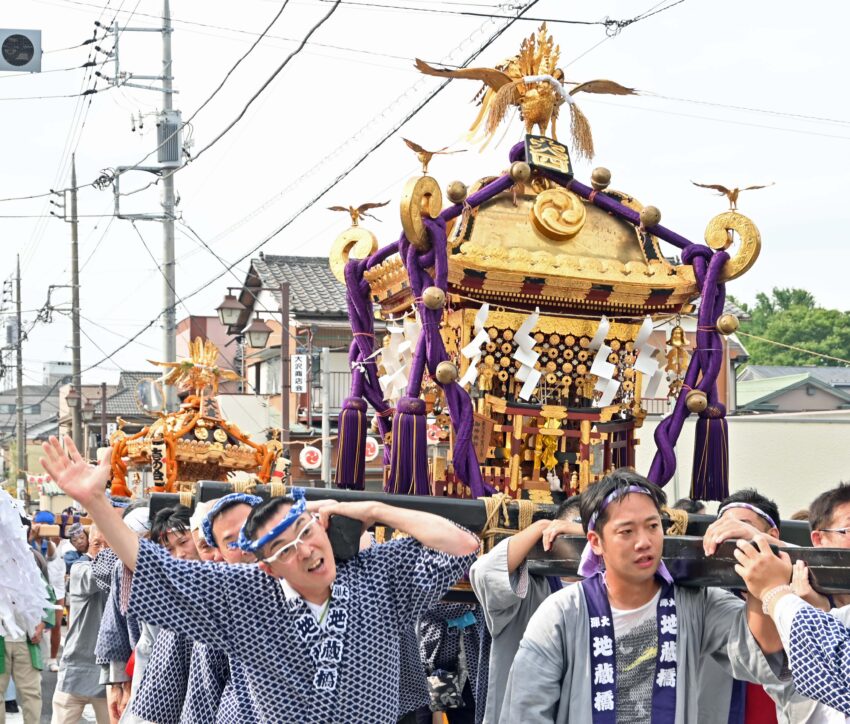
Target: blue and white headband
225,502
294,512
590,562
758,511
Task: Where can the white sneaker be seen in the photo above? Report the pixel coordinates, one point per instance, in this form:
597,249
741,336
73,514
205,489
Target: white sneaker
53,665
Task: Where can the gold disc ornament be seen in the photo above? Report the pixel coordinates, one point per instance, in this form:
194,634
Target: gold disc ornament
718,235
357,243
558,214
422,196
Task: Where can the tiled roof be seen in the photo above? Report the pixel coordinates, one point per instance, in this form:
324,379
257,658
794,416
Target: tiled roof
123,402
313,289
759,391
835,376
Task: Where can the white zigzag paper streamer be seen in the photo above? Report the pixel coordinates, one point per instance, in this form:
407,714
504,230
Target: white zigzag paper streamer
526,356
472,351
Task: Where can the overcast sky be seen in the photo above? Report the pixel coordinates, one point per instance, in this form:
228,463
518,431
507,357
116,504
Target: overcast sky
733,92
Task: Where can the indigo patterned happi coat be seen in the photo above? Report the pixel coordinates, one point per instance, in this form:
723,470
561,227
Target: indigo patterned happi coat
295,669
163,689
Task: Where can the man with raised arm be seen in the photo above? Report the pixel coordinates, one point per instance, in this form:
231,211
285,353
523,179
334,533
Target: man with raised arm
319,642
625,644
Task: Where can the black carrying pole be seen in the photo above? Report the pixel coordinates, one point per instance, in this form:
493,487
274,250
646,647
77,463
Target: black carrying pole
470,514
682,554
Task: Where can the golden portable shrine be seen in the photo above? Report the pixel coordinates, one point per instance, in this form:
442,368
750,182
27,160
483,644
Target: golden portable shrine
519,315
193,443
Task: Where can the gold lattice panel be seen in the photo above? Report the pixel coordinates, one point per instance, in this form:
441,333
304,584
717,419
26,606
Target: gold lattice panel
564,362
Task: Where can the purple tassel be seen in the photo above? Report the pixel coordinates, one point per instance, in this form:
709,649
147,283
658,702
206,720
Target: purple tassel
710,479
351,450
408,474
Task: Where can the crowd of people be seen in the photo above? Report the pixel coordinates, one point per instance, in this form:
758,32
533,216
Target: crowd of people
239,611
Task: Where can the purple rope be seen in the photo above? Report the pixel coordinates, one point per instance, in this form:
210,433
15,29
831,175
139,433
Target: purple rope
706,360
364,379
431,351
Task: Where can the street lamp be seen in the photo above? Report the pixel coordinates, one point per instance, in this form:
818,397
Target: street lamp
230,310
258,333
73,398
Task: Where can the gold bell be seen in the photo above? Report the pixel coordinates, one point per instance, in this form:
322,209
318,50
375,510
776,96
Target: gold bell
456,192
649,216
520,171
446,372
600,178
696,400
727,324
434,298
677,337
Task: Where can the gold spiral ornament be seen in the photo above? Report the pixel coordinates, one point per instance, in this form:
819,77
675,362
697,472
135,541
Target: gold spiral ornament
558,214
422,196
355,242
718,235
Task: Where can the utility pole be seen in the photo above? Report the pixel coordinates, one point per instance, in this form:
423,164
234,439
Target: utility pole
19,400
76,378
169,319
169,153
327,448
103,440
284,365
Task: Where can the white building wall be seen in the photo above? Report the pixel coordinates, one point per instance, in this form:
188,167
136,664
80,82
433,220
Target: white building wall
790,458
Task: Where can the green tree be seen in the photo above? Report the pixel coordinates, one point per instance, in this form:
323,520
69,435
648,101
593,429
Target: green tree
792,317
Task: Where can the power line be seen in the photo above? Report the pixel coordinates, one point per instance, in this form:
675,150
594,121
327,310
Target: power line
611,26
316,26
716,120
45,72
238,62
74,135
371,150
156,262
268,36
749,109
97,245
89,92
277,71
153,321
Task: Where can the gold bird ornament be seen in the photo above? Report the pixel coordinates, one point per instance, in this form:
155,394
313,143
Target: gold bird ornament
731,194
358,212
532,82
426,156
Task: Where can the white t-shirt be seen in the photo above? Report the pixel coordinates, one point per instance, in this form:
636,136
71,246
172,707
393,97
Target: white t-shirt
625,620
317,609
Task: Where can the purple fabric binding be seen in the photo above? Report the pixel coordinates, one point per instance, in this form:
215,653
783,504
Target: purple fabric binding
711,478
753,508
603,654
590,563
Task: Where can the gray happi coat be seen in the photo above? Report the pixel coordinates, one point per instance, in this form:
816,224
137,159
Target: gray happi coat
550,680
508,601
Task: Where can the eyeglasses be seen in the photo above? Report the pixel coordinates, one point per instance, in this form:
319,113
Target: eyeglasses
840,531
285,553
